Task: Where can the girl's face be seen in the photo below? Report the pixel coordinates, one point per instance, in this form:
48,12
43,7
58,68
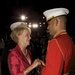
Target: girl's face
25,38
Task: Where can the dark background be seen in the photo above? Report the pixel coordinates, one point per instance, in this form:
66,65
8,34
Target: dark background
10,10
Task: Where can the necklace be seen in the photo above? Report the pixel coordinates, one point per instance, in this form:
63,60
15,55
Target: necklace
25,53
26,56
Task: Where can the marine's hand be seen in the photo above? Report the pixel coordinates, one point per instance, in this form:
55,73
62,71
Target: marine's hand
43,64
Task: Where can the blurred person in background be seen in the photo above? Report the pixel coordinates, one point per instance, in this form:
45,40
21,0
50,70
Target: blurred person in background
2,44
9,44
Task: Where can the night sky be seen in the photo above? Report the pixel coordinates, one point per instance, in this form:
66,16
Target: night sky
10,11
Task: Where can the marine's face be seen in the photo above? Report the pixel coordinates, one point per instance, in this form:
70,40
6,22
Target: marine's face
51,27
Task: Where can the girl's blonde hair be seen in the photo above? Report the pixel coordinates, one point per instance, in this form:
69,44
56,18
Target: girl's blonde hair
18,31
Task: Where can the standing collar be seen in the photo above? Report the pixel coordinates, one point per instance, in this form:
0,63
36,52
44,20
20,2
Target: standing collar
60,33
